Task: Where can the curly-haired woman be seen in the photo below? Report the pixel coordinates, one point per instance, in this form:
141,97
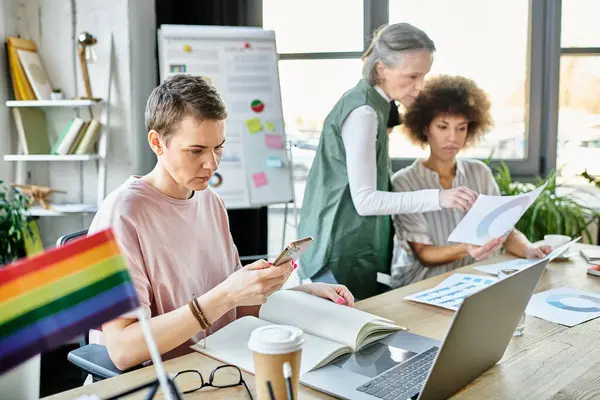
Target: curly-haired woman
450,114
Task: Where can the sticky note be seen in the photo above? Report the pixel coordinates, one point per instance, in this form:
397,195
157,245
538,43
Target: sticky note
254,125
260,179
274,141
269,126
274,162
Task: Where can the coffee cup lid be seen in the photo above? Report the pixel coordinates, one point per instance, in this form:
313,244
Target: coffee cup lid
276,339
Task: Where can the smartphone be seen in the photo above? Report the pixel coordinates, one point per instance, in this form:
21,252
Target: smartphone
293,251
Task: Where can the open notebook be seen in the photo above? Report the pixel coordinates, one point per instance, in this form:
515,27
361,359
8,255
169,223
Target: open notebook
330,330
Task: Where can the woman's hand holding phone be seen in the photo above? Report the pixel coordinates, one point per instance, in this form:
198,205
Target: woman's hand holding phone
252,284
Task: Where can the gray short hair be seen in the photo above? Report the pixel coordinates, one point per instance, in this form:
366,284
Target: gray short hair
387,44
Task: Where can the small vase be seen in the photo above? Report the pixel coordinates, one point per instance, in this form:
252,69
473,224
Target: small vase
57,95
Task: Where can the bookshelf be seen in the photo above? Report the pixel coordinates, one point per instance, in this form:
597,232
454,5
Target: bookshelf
69,209
77,103
60,210
50,157
96,109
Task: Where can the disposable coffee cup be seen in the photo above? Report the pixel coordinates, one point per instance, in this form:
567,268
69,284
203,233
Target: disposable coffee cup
272,346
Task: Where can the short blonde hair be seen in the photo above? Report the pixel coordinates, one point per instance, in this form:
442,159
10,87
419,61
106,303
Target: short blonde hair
179,96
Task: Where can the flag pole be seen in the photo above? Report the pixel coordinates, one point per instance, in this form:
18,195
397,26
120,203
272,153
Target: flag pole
154,354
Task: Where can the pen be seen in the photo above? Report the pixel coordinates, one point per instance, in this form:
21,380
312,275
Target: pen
271,394
287,374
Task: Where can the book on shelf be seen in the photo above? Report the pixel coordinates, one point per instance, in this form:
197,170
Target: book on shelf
78,138
21,86
330,330
89,138
69,135
36,74
32,130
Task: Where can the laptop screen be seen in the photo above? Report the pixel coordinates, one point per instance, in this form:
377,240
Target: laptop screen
373,359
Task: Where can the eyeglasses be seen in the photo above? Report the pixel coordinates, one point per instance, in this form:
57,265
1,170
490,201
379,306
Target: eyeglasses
223,376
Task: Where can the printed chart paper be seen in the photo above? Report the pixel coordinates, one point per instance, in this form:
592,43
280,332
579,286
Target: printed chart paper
451,292
492,216
565,306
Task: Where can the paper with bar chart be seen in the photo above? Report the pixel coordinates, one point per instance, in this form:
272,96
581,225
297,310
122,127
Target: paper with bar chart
492,216
452,291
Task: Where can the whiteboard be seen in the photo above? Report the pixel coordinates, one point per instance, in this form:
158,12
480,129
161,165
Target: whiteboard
241,62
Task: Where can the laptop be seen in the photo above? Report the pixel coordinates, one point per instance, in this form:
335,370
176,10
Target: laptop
410,366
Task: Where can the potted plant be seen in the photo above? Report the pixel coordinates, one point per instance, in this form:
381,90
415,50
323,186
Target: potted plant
57,94
23,381
551,212
13,223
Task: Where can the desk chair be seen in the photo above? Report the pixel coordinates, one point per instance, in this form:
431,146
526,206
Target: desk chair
93,359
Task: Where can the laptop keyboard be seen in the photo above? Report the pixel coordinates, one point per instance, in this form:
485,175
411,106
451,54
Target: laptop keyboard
402,381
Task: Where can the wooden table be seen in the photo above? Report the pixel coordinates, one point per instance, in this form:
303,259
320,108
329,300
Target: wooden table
549,361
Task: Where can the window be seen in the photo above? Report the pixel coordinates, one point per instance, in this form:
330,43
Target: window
315,26
578,133
579,116
320,44
580,23
473,40
308,93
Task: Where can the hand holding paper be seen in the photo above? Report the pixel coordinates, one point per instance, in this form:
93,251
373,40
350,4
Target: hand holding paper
482,252
461,198
492,216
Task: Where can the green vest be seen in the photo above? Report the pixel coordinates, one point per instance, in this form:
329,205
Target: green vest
354,248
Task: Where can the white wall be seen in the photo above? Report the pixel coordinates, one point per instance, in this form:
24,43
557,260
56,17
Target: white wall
7,28
54,26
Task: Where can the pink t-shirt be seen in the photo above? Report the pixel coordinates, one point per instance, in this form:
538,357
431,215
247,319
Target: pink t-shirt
176,249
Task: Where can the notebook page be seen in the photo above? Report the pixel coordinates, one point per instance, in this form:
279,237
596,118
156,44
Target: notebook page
317,316
230,345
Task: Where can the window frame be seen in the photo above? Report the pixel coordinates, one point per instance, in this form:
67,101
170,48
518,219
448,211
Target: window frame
555,83
541,117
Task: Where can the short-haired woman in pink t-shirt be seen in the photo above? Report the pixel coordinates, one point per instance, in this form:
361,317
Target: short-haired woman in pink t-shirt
174,232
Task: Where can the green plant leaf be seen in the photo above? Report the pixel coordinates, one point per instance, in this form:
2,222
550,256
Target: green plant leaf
550,213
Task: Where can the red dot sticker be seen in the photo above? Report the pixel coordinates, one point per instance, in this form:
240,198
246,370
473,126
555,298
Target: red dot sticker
257,105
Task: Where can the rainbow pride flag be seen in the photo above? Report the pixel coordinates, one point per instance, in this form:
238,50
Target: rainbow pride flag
51,298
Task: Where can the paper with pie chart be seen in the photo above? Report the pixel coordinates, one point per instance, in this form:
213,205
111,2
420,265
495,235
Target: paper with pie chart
565,306
492,216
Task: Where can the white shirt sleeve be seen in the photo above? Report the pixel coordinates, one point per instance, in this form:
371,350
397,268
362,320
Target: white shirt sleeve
359,134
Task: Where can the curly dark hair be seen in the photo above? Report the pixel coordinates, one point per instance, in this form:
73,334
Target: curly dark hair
454,95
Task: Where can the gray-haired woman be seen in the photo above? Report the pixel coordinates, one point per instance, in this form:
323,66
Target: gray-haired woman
348,199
